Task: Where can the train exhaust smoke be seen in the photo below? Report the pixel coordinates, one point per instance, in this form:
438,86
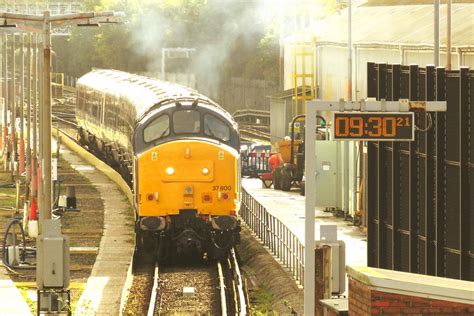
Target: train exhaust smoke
229,24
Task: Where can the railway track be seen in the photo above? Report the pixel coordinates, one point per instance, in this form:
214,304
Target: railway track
232,290
185,289
252,134
63,109
210,288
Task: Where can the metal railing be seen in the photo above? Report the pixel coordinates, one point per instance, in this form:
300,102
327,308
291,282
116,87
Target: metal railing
70,81
253,164
38,8
283,244
57,84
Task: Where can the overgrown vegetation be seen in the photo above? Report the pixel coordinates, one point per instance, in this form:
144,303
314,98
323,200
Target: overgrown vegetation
262,301
32,304
7,197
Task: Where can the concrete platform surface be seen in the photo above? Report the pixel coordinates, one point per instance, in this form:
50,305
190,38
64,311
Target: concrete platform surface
11,301
102,294
289,208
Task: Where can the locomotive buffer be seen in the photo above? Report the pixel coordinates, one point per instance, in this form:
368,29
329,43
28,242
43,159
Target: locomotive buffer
366,120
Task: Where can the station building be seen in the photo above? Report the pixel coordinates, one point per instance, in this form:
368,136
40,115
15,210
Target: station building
394,34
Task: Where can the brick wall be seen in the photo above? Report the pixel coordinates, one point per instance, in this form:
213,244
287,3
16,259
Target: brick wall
331,313
363,300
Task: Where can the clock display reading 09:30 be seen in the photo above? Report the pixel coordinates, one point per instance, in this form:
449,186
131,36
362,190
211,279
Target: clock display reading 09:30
384,126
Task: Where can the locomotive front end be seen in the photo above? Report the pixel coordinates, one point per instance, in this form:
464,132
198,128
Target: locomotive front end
188,183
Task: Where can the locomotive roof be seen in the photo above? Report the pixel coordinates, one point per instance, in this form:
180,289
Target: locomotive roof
143,92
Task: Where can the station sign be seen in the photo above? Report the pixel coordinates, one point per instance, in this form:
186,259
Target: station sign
373,126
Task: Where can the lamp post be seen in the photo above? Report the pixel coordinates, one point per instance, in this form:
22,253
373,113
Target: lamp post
436,33
448,35
5,97
21,165
45,118
28,114
34,141
13,109
44,24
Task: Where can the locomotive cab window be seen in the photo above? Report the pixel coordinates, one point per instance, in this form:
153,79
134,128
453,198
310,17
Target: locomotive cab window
158,128
216,128
186,122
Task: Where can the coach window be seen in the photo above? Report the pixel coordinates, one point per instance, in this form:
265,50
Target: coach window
186,122
158,128
216,128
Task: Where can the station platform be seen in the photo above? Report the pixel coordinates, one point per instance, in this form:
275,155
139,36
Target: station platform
103,292
11,300
289,208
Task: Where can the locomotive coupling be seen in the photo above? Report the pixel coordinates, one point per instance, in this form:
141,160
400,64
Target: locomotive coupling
224,222
152,223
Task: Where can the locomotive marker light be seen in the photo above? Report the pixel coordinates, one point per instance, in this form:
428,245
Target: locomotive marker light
170,171
352,120
53,249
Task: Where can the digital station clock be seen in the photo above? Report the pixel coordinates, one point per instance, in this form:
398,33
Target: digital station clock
382,126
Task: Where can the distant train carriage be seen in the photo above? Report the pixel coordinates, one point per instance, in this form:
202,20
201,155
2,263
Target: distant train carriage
178,150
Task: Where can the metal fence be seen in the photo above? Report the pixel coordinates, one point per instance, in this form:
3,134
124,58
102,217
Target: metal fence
70,81
275,235
243,93
37,8
421,193
254,164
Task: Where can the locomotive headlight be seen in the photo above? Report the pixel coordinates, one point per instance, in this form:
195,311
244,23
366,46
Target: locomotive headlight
205,171
170,171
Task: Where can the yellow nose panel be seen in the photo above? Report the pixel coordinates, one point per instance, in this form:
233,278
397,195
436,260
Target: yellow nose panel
186,170
209,169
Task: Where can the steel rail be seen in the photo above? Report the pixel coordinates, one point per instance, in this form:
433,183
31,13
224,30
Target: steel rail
72,138
222,289
154,291
64,120
254,134
242,308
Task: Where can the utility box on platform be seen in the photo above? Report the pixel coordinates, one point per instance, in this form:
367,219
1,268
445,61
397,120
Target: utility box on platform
328,237
52,257
327,168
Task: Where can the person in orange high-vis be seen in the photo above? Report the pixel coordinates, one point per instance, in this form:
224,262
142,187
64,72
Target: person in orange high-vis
274,161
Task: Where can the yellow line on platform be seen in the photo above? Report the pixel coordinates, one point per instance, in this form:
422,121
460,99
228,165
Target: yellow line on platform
32,285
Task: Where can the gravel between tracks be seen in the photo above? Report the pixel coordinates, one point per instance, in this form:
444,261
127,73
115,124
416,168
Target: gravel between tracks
139,294
203,277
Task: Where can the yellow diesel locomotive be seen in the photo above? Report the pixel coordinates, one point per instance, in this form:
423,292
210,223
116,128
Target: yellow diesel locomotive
179,152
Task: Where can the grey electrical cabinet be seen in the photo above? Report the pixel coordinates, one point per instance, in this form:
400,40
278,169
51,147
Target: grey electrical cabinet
52,257
326,174
328,236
